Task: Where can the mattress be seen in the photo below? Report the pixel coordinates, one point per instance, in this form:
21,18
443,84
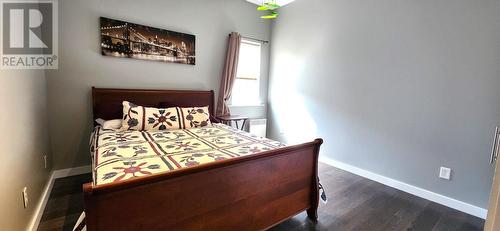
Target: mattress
122,155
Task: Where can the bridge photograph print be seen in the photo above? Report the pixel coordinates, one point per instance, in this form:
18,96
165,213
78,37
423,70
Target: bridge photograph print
129,40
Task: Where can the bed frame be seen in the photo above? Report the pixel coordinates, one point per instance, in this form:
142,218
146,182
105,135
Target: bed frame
253,192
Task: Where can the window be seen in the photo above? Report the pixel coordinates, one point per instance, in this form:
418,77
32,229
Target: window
246,88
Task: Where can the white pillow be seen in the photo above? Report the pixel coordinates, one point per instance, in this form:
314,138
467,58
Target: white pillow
115,124
100,121
112,124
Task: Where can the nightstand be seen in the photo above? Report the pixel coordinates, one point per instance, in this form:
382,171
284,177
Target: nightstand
227,120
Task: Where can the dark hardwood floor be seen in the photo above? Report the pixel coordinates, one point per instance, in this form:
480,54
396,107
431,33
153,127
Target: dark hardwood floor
354,203
65,203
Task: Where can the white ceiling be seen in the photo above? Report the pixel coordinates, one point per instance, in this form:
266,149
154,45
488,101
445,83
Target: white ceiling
279,2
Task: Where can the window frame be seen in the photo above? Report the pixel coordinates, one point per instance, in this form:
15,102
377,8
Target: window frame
258,78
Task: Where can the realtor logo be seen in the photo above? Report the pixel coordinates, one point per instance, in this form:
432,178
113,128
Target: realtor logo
29,35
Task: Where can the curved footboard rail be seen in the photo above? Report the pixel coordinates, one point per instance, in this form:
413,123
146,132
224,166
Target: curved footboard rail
252,192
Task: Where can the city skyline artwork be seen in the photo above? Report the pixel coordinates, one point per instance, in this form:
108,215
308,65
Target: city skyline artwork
130,40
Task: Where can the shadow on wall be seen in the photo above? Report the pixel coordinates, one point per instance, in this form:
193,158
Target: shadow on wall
295,125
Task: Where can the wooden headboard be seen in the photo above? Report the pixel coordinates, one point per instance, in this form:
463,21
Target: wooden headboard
107,102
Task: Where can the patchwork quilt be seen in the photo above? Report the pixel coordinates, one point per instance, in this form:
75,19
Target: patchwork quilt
121,155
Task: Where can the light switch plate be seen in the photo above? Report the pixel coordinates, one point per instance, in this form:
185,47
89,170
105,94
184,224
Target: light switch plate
445,173
25,197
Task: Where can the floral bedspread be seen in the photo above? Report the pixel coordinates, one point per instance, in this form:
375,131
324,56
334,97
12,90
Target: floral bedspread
121,155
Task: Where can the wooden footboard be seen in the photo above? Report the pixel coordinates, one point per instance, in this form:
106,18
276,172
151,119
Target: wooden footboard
253,192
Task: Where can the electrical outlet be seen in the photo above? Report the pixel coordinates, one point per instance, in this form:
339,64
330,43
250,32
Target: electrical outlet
445,173
25,197
45,161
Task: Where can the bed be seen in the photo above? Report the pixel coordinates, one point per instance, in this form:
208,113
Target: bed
209,178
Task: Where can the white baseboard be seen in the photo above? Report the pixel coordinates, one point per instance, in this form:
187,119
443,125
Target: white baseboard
71,171
420,192
35,220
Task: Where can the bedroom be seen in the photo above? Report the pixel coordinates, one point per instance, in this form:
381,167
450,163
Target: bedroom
397,91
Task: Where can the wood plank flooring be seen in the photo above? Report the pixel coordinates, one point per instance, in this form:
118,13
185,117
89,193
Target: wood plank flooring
354,203
65,203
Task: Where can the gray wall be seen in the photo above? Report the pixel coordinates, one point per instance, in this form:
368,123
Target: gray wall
398,88
81,65
23,142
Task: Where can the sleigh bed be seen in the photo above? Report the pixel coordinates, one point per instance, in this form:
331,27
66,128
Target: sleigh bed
250,184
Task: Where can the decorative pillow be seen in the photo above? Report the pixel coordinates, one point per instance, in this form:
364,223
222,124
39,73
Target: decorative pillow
194,117
141,118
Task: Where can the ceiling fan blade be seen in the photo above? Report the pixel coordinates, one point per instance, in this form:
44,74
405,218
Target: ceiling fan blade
262,8
273,15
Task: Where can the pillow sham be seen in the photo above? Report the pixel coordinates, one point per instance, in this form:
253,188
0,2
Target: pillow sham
194,117
141,118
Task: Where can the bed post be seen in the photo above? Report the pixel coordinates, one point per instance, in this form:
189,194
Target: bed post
89,208
312,212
